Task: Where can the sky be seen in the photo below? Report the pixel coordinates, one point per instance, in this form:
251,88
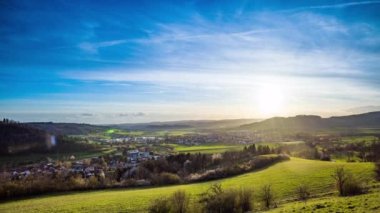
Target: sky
140,61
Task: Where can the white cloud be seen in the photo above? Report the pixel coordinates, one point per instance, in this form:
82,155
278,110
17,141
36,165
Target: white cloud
92,47
333,6
310,56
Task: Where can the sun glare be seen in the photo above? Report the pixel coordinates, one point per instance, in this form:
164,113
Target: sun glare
270,100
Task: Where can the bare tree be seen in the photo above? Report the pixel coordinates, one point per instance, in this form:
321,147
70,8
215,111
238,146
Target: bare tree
377,170
303,192
340,176
267,196
159,205
180,202
245,197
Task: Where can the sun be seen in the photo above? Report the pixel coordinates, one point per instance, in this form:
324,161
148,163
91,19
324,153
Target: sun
270,100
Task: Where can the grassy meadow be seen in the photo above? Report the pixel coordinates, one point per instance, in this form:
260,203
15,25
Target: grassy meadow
361,203
284,178
219,148
209,149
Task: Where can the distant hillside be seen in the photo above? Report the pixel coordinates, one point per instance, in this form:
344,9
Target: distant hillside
17,137
83,129
191,124
67,128
313,122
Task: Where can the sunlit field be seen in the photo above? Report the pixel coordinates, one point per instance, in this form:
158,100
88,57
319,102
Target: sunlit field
360,203
205,148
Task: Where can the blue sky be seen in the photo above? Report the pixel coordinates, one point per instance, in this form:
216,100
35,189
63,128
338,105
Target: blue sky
137,61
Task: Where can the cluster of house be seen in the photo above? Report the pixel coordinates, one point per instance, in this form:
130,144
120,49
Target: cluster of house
46,169
142,139
135,156
97,166
196,139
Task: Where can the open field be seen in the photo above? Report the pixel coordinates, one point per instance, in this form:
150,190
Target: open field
284,178
206,148
277,144
219,148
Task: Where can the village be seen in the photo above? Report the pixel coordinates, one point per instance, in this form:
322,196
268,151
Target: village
99,167
129,153
190,139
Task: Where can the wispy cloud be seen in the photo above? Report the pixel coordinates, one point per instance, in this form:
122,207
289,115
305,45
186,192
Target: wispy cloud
199,59
333,6
309,56
92,47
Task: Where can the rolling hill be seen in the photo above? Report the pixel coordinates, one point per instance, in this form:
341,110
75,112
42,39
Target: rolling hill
67,128
315,123
190,124
17,137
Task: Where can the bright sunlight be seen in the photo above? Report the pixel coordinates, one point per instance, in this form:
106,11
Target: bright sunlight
270,100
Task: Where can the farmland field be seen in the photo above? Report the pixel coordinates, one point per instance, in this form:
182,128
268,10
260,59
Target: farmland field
205,148
284,178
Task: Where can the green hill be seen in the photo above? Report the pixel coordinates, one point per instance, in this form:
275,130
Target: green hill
284,177
190,124
17,138
315,123
68,128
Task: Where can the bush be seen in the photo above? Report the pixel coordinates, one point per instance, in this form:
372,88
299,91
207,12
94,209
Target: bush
180,202
377,170
340,177
303,193
245,200
346,184
160,205
352,187
177,203
165,178
217,200
267,196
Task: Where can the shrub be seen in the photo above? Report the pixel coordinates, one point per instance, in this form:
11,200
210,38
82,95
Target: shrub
377,170
93,182
346,184
267,196
160,205
303,193
340,176
165,178
245,200
180,202
352,187
217,200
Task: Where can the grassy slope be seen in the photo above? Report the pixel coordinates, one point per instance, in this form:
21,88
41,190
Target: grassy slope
361,203
284,177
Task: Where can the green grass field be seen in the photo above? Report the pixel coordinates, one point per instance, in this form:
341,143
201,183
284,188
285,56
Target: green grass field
219,148
362,203
210,149
284,178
